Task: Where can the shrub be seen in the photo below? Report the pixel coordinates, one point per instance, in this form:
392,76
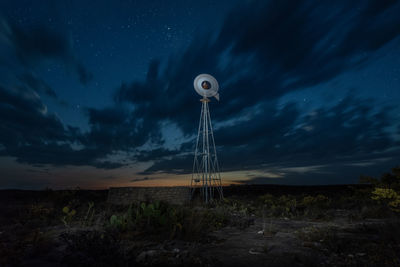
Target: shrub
163,220
387,196
268,200
320,201
68,214
88,219
40,212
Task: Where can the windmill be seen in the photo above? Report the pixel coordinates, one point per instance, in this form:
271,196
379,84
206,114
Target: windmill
206,176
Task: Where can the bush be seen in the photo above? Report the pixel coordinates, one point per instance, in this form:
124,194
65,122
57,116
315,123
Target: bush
292,206
387,196
285,205
68,215
387,189
166,221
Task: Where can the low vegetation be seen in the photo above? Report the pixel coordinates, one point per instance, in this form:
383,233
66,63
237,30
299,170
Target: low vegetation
86,230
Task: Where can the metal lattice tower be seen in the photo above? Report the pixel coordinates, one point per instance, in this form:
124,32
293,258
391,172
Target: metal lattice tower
206,175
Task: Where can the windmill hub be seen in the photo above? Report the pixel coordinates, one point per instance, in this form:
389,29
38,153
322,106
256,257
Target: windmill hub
206,85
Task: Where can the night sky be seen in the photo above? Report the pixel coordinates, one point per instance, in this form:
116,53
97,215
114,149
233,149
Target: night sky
100,93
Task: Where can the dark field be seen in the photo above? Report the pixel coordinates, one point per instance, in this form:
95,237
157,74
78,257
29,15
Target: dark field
345,225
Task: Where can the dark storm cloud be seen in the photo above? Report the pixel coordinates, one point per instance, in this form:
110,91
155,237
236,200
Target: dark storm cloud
268,49
32,135
60,155
38,43
140,179
24,119
175,165
155,154
263,51
113,129
335,173
37,84
351,129
307,43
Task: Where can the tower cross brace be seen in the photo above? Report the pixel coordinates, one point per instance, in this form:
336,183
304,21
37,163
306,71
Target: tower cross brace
206,175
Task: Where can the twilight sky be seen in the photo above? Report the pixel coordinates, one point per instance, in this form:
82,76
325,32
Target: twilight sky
99,94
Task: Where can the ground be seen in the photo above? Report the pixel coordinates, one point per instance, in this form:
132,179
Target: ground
291,243
285,226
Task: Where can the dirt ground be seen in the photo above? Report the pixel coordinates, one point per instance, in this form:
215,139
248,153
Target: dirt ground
267,242
340,239
294,243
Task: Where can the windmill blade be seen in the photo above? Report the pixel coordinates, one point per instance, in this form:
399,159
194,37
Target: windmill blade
206,85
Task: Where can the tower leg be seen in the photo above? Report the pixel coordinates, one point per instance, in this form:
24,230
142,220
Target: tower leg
206,175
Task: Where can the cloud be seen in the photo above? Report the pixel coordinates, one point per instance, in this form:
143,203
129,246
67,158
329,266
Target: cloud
334,173
113,129
175,165
349,130
140,179
25,120
155,154
284,46
38,43
263,51
57,154
33,135
269,49
37,84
